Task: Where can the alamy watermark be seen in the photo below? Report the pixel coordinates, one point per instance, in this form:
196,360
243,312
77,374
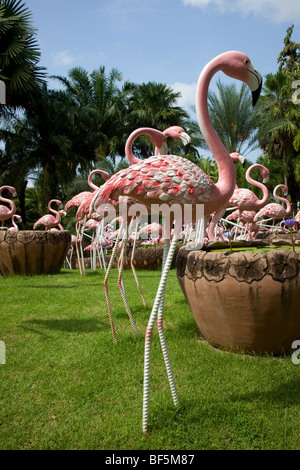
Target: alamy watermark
295,358
2,353
175,217
294,98
2,92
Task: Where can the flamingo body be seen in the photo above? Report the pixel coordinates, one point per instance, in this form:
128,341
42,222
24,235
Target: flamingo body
49,221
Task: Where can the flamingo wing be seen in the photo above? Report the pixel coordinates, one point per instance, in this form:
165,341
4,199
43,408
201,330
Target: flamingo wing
167,178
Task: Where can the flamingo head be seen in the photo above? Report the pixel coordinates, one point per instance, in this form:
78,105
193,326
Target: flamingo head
238,65
59,203
237,157
11,189
178,133
284,189
265,173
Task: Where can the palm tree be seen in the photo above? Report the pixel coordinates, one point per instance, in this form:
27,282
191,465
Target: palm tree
232,117
40,145
19,53
98,111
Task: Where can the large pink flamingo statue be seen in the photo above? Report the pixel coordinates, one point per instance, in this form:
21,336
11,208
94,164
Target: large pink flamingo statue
274,211
49,221
159,140
5,212
175,180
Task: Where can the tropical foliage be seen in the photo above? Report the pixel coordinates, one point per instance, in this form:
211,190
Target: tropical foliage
19,53
278,117
232,116
54,138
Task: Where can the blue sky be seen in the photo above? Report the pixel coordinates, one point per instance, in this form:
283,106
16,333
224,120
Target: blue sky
166,41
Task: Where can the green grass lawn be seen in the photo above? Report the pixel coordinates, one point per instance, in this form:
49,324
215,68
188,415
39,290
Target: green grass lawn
66,385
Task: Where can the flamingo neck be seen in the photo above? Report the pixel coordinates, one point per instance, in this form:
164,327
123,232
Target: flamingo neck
227,174
156,137
8,201
128,147
282,199
104,175
57,215
258,184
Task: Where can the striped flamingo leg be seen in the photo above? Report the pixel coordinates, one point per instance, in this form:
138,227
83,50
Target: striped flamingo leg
105,283
132,264
158,307
162,334
120,280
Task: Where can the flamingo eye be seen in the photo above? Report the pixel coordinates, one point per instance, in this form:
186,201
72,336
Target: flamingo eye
246,61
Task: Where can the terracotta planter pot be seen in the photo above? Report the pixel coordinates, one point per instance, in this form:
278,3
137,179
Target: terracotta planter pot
33,252
243,301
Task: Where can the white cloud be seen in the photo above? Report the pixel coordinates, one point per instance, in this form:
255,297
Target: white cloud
275,10
63,58
188,94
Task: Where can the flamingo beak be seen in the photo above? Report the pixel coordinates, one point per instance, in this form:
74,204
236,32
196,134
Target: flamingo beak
186,140
256,94
266,180
254,83
242,159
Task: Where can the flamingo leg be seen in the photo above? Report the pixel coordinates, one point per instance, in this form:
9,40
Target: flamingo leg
120,280
81,249
132,265
99,237
113,254
101,247
158,305
78,241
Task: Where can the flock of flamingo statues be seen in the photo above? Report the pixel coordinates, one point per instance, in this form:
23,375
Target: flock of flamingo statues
172,180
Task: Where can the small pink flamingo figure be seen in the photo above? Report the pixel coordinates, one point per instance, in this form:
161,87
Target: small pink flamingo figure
79,201
274,211
173,179
5,212
15,228
244,198
49,221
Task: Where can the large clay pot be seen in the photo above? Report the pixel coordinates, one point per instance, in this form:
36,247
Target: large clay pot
243,301
32,251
